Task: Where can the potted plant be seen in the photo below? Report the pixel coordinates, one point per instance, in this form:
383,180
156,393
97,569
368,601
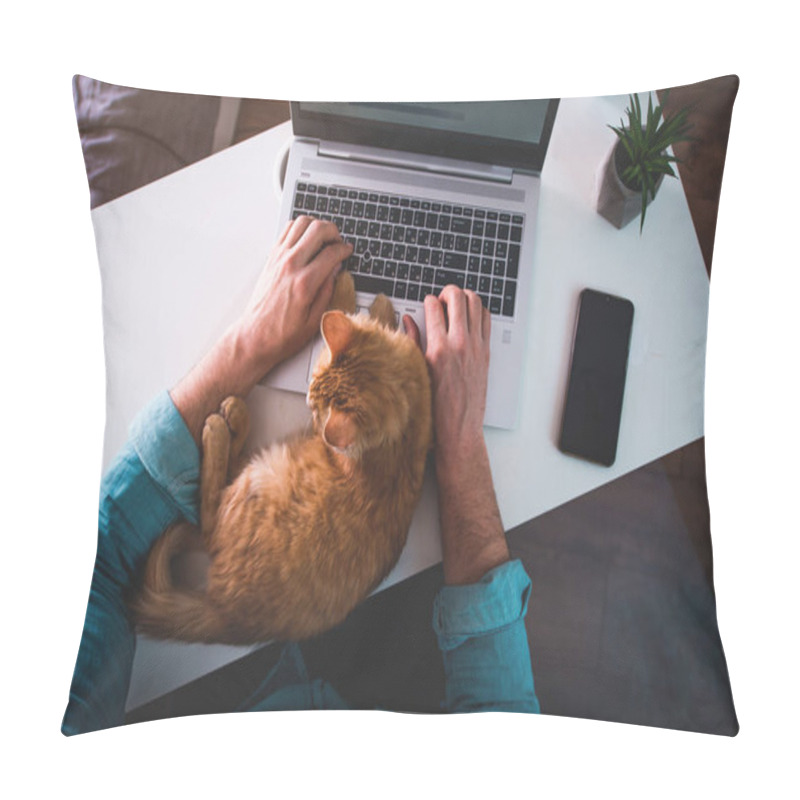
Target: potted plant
638,161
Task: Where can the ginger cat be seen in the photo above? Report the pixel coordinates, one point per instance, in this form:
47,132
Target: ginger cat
308,528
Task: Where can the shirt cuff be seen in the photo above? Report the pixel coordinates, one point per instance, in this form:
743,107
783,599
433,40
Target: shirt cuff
168,452
498,600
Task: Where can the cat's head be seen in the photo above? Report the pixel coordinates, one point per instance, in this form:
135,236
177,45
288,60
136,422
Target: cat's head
366,383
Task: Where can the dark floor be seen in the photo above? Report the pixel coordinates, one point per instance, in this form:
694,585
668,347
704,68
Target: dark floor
622,621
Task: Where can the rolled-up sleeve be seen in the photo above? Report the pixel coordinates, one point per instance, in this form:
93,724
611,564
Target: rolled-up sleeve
481,633
152,483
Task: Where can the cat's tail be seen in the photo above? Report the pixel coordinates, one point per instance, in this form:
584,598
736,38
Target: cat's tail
165,611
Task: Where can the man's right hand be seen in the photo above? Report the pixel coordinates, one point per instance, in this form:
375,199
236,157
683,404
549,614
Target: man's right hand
458,332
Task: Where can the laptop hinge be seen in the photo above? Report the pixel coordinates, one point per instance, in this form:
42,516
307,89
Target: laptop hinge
416,161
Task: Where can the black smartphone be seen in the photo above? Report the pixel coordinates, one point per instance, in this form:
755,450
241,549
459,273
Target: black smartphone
593,405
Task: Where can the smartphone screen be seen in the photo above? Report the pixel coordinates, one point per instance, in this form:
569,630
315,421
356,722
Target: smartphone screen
593,406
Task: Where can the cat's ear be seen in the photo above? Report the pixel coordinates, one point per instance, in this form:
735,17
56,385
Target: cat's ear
340,430
337,331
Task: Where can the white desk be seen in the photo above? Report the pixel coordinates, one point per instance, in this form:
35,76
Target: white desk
181,255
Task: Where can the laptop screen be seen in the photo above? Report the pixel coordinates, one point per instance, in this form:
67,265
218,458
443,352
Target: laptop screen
511,133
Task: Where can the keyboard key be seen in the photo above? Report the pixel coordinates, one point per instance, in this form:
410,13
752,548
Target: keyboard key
322,204
412,293
370,211
387,248
424,256
495,305
477,227
517,219
485,284
407,217
411,235
432,221
423,238
352,194
513,261
500,249
383,213
363,196
346,208
378,265
448,241
311,202
400,288
491,230
361,247
472,282
461,225
497,286
505,218
390,270
480,213
394,215
398,233
427,275
384,198
322,190
436,258
455,261
386,232
502,231
419,219
486,266
402,272
374,230
312,187
499,268
373,284
516,234
373,198
444,277
437,207
374,247
358,210
416,204
411,253
436,239
399,252
485,300
365,266
488,247
301,187
491,215
475,246
394,201
474,264
416,273
299,199
361,228
339,223
444,223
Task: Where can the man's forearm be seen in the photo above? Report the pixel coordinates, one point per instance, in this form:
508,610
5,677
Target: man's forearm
229,368
473,540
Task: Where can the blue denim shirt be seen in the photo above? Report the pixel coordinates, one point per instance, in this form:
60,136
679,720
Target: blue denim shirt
153,482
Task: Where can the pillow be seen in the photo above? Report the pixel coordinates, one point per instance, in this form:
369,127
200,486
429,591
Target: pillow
605,607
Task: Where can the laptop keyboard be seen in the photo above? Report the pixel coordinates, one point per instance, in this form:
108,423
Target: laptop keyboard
409,247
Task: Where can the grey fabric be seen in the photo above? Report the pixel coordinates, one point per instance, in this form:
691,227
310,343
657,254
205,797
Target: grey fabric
131,137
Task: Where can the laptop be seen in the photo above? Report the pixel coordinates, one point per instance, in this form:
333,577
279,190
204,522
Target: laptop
428,194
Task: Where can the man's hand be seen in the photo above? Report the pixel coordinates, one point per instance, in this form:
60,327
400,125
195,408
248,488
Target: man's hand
292,292
283,314
458,332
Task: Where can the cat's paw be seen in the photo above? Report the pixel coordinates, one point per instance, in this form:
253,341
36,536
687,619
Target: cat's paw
344,293
383,311
234,411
